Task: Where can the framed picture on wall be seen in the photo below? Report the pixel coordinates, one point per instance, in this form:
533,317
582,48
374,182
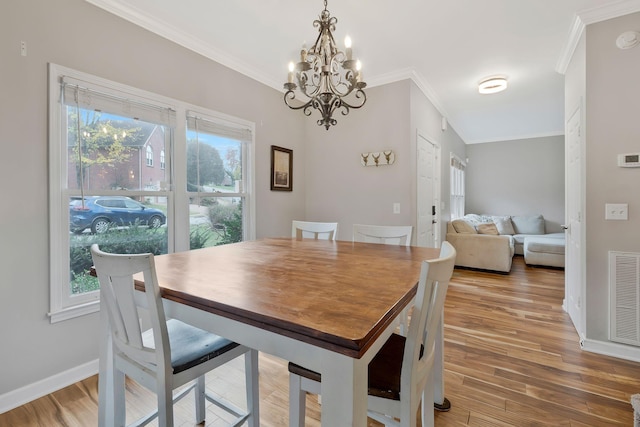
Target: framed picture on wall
281,169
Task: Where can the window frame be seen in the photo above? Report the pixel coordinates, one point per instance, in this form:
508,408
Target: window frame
64,305
457,186
149,156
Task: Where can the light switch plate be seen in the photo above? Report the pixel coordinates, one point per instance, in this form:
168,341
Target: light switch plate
617,211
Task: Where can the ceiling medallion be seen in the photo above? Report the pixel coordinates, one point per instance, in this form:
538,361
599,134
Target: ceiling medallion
628,39
326,75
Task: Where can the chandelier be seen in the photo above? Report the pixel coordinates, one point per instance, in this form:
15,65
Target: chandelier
325,75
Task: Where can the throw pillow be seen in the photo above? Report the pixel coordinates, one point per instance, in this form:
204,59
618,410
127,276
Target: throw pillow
463,227
528,224
504,225
473,219
487,228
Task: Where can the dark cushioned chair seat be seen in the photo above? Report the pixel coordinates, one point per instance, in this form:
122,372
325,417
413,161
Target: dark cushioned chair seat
191,346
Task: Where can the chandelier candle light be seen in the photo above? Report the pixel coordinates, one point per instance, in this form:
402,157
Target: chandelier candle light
325,75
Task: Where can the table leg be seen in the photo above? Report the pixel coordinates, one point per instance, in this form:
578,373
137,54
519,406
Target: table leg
344,392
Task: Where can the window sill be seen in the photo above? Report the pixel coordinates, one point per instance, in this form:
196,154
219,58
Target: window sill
73,312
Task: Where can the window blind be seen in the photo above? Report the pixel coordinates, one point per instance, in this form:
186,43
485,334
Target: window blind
218,127
93,97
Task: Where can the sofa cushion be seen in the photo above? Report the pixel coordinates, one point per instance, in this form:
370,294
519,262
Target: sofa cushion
487,228
528,224
503,224
463,227
544,244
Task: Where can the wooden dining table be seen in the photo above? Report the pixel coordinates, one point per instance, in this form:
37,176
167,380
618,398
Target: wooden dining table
325,305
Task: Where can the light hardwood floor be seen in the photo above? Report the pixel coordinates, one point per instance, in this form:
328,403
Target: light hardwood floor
511,359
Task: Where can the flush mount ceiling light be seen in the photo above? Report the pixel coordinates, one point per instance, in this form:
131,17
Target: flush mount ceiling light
493,84
325,76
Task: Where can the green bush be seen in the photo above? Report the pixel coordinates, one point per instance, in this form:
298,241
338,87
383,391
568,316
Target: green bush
199,236
232,225
221,213
133,240
139,239
136,239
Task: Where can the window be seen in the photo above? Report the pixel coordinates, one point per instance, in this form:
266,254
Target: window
102,134
216,165
149,156
457,187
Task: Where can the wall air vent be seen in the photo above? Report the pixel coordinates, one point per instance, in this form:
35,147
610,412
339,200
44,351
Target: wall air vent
624,297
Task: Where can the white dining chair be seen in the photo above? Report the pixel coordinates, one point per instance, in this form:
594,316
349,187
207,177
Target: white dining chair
385,234
168,355
401,374
314,230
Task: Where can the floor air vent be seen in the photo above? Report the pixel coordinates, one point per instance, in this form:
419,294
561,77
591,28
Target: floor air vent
624,285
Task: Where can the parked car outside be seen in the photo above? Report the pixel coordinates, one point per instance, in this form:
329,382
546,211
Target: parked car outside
100,213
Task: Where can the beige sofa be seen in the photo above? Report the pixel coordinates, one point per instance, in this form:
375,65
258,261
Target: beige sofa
488,242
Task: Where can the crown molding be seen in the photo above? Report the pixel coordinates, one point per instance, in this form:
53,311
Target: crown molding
570,45
591,16
166,30
609,11
413,75
169,32
515,137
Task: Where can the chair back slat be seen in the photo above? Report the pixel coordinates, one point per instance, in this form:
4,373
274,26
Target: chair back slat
425,320
115,274
384,234
314,230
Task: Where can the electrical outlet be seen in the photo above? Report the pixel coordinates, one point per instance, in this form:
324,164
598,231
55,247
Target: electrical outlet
616,211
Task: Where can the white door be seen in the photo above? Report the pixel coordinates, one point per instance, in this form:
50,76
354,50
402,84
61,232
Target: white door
574,299
428,187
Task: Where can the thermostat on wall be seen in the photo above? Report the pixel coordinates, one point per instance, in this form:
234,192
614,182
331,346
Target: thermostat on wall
629,160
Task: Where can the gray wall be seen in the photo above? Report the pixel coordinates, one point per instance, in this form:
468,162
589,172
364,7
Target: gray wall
612,127
427,121
75,34
329,182
340,189
517,178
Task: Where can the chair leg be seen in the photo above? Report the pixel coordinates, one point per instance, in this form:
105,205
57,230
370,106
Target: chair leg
297,401
119,404
427,411
253,387
165,406
199,391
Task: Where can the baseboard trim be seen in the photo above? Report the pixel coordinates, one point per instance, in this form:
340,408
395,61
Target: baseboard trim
30,392
608,348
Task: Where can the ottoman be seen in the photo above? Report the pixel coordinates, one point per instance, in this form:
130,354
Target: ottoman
541,250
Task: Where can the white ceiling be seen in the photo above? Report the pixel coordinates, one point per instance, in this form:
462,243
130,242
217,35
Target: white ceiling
445,46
